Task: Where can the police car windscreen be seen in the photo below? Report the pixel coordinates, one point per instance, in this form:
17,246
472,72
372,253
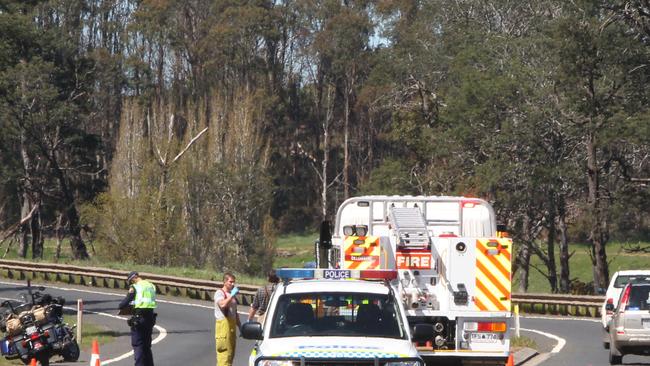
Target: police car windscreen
337,314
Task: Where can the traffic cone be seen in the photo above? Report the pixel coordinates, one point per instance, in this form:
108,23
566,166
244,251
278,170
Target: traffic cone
511,360
33,363
94,357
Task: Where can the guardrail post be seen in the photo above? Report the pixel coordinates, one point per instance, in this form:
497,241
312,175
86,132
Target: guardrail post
80,307
517,320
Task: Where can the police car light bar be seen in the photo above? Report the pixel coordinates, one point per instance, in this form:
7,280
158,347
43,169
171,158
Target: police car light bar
336,274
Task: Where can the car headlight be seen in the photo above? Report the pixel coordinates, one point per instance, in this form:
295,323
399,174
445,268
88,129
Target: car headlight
277,363
403,363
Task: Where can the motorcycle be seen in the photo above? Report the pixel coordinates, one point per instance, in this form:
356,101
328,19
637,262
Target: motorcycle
35,329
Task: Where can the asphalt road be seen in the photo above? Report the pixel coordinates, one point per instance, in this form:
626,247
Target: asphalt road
571,342
184,334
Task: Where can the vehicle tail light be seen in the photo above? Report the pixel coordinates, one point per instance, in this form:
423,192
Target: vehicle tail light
469,204
625,298
492,327
610,301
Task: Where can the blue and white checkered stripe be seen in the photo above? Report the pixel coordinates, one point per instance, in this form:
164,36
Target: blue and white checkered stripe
338,352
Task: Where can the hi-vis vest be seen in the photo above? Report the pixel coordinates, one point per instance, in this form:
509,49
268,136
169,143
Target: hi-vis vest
145,295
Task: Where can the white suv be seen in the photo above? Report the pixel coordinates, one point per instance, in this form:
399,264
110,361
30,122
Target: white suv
616,285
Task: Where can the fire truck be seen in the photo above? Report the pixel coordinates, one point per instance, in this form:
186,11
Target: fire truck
454,268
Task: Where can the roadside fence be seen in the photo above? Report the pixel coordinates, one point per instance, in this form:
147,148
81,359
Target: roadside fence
557,304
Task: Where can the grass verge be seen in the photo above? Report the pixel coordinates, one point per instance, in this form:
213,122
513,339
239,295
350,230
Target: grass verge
517,343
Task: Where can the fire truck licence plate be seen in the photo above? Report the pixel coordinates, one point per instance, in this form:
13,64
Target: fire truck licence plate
484,337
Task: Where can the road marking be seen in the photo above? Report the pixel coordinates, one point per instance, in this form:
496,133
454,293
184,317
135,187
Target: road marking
560,341
162,331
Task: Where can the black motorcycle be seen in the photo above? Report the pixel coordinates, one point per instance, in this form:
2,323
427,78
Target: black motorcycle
35,329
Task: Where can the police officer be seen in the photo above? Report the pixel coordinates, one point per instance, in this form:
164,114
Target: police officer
142,297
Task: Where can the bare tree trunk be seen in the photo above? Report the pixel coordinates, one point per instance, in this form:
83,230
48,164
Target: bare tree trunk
77,244
24,228
550,245
326,150
346,142
59,236
37,235
565,280
524,267
598,236
27,199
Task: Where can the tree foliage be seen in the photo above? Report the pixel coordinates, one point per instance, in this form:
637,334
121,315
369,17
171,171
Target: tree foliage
193,132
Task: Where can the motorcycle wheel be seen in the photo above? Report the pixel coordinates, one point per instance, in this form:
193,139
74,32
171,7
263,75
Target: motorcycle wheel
71,352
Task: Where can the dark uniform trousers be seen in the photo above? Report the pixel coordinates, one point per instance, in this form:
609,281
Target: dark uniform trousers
141,333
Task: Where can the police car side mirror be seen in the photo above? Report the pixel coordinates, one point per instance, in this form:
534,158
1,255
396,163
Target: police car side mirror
252,330
422,333
609,307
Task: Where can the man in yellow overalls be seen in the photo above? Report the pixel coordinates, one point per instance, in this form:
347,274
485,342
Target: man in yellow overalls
226,320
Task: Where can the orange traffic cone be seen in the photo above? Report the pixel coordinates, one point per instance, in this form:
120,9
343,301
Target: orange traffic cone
94,357
33,363
511,361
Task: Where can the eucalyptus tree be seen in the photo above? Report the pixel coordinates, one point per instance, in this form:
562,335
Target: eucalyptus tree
44,103
600,70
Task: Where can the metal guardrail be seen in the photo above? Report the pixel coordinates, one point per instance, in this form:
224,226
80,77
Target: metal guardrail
560,304
102,277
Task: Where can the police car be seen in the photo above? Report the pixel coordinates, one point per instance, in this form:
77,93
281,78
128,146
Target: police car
334,317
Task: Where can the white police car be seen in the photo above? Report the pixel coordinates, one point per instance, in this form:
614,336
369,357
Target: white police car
333,317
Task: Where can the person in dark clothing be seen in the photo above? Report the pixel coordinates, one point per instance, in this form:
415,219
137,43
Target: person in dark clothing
142,298
262,297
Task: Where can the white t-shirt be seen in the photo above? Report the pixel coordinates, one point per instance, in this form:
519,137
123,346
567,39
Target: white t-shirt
232,306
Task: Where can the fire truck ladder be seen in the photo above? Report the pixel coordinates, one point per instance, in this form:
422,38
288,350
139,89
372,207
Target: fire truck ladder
410,226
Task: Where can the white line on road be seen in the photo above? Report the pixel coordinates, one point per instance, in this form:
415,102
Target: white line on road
560,341
162,331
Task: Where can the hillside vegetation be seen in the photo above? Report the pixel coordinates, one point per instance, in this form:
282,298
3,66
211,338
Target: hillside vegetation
177,134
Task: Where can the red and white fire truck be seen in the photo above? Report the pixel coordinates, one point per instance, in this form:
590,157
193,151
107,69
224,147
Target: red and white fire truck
454,267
